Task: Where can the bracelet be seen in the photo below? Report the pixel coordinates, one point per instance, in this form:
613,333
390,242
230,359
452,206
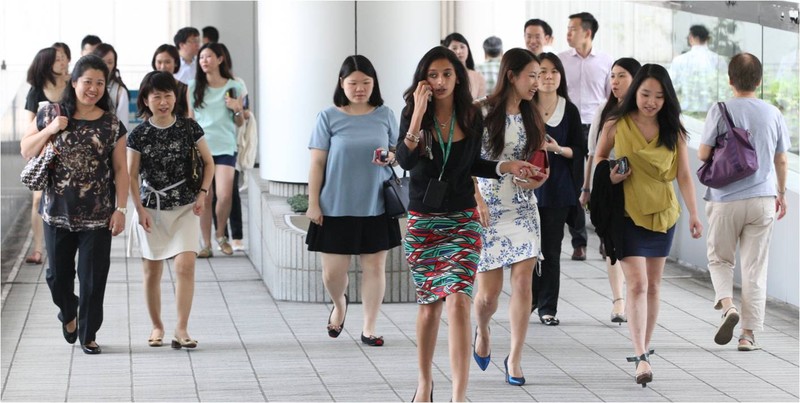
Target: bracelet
560,150
204,190
412,137
782,193
587,190
237,114
497,168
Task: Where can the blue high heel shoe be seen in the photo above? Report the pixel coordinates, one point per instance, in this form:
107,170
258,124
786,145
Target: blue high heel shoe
513,380
483,362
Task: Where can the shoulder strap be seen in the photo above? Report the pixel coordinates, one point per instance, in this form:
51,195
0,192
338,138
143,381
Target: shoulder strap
727,116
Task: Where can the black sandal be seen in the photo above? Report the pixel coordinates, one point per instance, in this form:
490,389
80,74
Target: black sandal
644,377
332,331
372,340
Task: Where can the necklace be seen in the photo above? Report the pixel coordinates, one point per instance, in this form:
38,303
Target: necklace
442,125
550,108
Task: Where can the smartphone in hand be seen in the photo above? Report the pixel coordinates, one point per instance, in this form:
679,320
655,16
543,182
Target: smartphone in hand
231,93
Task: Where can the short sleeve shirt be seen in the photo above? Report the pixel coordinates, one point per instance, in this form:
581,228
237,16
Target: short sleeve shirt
81,195
35,96
769,135
353,184
165,159
215,118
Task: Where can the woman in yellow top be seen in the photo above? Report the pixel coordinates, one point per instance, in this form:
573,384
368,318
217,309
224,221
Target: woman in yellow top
647,130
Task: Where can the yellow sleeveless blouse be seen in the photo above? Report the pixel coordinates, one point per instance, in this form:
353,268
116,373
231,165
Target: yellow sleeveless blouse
650,198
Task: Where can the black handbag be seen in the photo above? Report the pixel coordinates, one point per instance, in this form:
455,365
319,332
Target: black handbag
395,195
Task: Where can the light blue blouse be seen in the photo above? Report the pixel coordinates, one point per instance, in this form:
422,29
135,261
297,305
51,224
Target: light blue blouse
215,118
353,185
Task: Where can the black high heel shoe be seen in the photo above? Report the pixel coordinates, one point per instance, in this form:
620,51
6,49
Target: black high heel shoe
415,393
332,331
642,378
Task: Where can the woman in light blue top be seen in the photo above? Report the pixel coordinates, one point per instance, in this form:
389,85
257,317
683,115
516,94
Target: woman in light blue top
345,199
215,102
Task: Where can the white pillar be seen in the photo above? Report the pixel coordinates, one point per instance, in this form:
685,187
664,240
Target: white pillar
301,47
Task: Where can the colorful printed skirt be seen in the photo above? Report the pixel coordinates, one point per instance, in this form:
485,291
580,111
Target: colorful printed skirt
443,251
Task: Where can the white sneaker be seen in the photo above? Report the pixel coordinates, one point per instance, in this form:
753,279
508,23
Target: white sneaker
237,245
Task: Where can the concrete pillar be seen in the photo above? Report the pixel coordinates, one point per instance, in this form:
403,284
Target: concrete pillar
301,47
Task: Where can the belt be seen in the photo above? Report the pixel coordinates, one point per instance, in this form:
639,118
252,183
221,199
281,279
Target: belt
148,190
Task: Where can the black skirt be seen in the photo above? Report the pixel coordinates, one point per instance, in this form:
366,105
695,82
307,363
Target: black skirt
353,235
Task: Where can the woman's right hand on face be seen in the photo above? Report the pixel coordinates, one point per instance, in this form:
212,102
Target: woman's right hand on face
58,124
616,177
421,96
314,213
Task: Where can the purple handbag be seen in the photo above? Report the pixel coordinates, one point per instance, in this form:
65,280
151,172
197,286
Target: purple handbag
732,159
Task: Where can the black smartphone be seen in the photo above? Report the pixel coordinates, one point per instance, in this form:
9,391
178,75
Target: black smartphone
246,102
231,93
623,165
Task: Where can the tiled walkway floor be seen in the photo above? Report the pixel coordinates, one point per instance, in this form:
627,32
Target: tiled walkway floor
254,348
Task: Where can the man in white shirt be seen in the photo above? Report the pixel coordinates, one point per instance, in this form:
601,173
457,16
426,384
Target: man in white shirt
538,36
587,72
187,40
699,75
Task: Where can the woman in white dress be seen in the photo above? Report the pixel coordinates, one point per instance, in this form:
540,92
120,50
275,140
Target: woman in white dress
513,130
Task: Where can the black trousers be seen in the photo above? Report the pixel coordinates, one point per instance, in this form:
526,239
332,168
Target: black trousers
235,218
94,258
576,220
545,288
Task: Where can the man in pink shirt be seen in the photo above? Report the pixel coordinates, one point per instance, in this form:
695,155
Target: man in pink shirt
588,86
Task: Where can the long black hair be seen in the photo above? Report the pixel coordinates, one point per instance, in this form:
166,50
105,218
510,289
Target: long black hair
562,85
465,111
41,70
88,62
513,64
350,65
200,79
630,65
102,50
455,36
670,127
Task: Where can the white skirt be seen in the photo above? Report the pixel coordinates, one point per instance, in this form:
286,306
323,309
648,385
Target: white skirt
173,232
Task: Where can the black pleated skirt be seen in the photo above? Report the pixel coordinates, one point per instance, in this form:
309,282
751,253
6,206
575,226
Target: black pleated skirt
353,235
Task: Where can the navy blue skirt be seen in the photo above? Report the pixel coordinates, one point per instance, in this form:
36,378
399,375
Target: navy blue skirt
640,241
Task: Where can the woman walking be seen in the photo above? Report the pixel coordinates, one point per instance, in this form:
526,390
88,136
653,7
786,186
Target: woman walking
459,45
441,147
215,102
48,78
514,131
83,204
646,129
345,221
165,221
622,72
117,91
558,195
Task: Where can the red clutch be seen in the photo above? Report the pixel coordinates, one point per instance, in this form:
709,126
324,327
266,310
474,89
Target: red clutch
540,160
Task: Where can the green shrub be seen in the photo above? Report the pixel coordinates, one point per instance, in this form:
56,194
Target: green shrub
298,203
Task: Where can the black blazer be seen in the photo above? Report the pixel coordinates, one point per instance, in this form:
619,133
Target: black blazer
607,205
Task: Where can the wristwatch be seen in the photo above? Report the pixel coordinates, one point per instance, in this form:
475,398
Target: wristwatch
123,210
237,114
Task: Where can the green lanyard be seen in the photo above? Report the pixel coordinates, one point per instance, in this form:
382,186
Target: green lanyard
446,153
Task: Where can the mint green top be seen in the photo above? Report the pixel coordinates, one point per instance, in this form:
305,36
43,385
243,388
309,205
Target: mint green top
216,119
